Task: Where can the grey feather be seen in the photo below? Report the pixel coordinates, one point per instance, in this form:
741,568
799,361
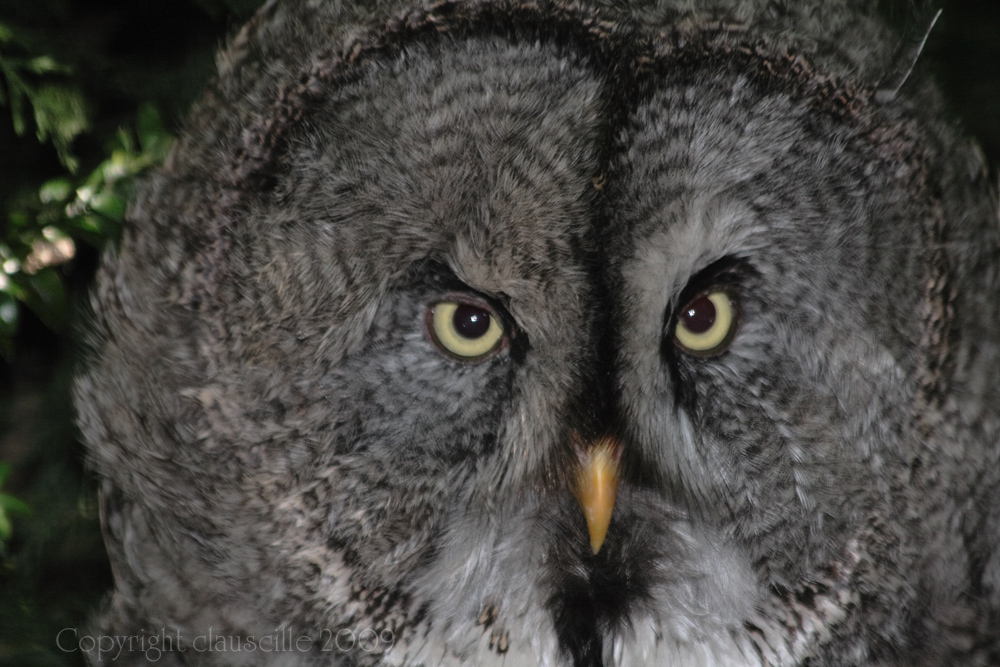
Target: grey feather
292,457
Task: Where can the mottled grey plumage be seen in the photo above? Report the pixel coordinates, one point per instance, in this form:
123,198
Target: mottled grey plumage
288,450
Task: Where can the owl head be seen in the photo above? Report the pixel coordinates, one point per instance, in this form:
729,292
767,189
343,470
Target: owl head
555,334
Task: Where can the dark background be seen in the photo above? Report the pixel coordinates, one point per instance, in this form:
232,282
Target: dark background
126,55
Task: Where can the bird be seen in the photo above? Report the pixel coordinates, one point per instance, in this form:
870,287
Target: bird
563,333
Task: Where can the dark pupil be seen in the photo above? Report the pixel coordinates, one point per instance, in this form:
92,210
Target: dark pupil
699,316
471,322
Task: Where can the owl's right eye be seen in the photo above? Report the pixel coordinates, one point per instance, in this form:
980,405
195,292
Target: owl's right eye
466,331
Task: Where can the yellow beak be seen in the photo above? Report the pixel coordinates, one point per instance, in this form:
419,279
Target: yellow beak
596,486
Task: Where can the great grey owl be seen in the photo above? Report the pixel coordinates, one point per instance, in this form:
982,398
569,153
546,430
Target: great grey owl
556,333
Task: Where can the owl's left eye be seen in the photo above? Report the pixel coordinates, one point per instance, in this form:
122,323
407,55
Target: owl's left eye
466,331
706,325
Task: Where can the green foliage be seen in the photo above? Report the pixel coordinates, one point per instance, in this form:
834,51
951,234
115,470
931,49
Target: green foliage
81,84
9,505
58,108
42,230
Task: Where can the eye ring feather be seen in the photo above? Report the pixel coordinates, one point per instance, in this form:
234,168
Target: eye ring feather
707,324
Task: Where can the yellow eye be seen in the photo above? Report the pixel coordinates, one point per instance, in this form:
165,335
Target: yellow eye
707,324
465,331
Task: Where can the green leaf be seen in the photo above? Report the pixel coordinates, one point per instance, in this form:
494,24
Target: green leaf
13,506
46,65
44,293
93,228
18,220
109,204
6,528
8,505
16,90
60,115
56,190
149,126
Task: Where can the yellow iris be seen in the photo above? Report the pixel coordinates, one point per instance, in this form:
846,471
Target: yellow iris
463,345
717,333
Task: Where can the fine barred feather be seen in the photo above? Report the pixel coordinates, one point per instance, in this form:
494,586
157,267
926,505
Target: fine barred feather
424,291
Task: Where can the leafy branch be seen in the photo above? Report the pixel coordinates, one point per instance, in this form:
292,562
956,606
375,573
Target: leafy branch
42,232
9,505
57,107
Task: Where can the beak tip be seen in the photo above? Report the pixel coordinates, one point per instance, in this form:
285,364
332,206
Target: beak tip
596,489
598,531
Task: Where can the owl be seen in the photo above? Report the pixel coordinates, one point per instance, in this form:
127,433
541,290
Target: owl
557,334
